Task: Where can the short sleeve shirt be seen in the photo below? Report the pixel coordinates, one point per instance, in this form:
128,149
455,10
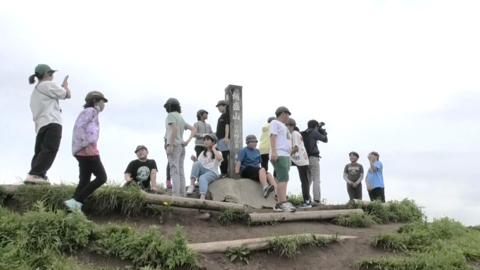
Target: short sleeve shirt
300,158
209,161
177,119
141,171
249,158
375,178
222,122
353,171
283,140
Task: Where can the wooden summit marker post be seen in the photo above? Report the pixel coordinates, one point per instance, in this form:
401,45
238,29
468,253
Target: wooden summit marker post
233,95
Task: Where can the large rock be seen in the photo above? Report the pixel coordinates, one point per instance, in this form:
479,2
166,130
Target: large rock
244,191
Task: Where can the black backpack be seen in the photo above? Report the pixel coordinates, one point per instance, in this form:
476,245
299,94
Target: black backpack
305,134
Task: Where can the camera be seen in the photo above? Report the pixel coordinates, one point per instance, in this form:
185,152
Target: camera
321,129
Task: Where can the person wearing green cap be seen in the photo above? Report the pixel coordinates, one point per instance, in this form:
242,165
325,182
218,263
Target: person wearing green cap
84,148
46,112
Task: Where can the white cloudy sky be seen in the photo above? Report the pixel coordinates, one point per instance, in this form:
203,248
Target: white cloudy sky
397,77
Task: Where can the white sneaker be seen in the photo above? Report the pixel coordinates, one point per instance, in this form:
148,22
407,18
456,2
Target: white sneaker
190,189
72,204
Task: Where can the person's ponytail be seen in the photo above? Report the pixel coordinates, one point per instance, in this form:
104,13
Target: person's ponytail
31,79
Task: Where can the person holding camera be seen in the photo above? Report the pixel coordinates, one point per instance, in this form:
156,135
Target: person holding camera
374,180
47,115
311,137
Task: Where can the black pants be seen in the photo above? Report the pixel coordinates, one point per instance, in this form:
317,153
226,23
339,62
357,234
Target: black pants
168,164
354,193
377,194
88,166
265,159
303,174
46,148
224,164
199,149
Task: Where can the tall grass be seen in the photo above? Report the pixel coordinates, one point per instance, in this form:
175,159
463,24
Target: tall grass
290,245
144,249
442,244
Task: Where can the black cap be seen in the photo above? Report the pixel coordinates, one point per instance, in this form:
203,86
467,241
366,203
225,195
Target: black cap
171,101
140,147
221,102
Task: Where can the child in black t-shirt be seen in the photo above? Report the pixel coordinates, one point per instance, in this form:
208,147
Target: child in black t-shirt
142,171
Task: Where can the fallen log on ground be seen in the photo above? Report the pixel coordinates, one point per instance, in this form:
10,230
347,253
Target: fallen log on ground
161,199
301,215
357,202
191,203
254,243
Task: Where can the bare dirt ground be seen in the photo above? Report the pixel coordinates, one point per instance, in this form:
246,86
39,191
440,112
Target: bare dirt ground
337,256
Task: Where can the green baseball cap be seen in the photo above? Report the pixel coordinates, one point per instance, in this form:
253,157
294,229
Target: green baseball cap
42,69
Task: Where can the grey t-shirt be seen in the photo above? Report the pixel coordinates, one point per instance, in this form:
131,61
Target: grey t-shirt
353,170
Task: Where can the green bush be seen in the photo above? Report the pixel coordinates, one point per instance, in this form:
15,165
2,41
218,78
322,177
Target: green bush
442,244
295,199
144,249
3,195
355,220
241,253
228,216
129,200
37,238
52,197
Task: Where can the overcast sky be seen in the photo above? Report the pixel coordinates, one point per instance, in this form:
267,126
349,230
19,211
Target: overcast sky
397,77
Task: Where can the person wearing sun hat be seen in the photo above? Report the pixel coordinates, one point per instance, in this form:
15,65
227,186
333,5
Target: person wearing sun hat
248,166
47,115
84,148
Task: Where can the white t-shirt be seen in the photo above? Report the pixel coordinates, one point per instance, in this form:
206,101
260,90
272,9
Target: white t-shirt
284,143
44,103
209,163
300,158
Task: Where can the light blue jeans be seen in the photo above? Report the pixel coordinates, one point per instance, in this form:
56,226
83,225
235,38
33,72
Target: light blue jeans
204,176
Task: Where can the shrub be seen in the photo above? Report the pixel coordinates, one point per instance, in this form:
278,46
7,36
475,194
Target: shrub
228,216
241,253
295,199
355,220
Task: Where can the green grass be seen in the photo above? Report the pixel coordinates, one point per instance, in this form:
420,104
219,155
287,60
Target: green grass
3,195
442,244
144,248
295,199
38,238
355,220
290,245
380,213
227,216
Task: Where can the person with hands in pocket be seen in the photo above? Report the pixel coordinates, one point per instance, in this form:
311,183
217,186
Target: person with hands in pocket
374,180
353,175
248,166
205,168
84,148
175,126
280,150
47,115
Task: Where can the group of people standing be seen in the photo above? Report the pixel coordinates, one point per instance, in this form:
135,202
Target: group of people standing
281,144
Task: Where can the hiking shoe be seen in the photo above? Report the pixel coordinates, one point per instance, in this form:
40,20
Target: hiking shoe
267,190
305,204
35,179
169,183
190,189
284,207
72,204
197,183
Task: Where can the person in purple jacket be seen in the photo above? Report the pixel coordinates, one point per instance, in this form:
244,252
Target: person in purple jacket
84,149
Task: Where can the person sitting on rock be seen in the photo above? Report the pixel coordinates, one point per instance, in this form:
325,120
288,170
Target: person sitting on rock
205,168
142,171
248,166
